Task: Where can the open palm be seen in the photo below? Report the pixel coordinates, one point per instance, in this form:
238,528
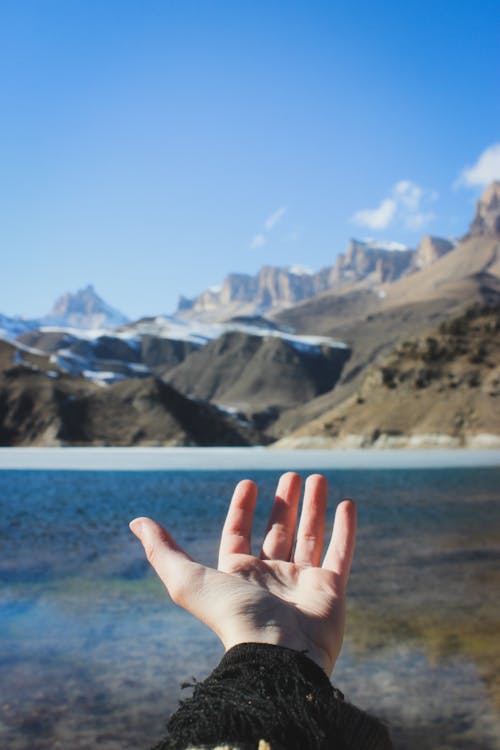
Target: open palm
285,596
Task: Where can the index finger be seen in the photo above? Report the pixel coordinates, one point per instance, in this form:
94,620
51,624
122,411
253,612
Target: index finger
237,531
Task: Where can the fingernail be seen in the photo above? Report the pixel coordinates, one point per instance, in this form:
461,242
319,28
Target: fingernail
136,527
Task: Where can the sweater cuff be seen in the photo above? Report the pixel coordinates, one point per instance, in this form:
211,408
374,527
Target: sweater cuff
270,657
262,692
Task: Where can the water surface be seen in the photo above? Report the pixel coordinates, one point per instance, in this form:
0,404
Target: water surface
92,651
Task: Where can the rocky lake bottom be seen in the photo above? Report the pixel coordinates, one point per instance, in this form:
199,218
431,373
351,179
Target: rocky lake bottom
92,651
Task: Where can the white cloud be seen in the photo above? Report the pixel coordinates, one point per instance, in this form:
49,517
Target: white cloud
405,205
258,241
409,194
485,170
274,218
377,218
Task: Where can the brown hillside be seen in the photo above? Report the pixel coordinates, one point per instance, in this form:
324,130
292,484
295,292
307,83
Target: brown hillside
442,387
39,406
254,373
471,259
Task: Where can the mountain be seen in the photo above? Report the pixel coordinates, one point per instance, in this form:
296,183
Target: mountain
439,389
11,328
107,358
259,375
155,346
321,347
84,309
373,322
273,288
248,367
242,294
41,405
448,275
487,217
370,262
430,249
385,269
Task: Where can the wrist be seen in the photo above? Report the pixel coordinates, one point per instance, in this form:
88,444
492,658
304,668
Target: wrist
274,635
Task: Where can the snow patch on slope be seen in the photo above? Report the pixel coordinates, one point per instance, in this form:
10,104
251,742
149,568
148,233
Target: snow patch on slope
202,333
10,328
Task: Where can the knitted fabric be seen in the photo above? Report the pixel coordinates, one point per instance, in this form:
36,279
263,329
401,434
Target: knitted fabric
271,695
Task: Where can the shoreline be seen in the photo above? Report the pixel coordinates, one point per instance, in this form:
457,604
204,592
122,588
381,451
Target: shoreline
237,459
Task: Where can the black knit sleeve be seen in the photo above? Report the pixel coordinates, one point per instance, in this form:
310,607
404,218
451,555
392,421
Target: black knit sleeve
274,695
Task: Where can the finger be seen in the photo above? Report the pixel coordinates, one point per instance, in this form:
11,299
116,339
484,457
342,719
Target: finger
311,531
340,551
237,530
182,576
280,533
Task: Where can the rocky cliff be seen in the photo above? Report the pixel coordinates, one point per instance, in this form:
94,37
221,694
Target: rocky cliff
243,294
368,261
430,249
487,216
273,289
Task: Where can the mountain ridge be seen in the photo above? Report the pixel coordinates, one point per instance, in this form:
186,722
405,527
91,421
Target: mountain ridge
274,288
275,374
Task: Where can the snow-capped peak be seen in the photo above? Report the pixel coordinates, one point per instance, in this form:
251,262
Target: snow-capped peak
84,309
300,270
384,244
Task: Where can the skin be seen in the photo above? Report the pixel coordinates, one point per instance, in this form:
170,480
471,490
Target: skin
286,596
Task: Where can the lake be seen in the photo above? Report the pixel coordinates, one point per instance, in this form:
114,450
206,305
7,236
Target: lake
92,652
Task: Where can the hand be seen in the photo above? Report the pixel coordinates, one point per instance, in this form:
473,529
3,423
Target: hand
284,597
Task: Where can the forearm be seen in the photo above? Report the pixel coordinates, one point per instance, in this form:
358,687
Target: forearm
267,693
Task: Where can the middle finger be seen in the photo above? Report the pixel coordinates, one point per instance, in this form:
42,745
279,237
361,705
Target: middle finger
280,532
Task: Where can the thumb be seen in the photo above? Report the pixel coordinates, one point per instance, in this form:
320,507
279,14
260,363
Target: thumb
152,536
172,564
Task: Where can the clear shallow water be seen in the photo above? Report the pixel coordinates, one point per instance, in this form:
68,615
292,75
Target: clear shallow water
92,651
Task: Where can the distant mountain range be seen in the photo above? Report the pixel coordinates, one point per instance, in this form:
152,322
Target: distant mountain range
272,289
367,264
290,355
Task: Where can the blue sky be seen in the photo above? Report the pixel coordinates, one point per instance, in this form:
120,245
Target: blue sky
152,147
